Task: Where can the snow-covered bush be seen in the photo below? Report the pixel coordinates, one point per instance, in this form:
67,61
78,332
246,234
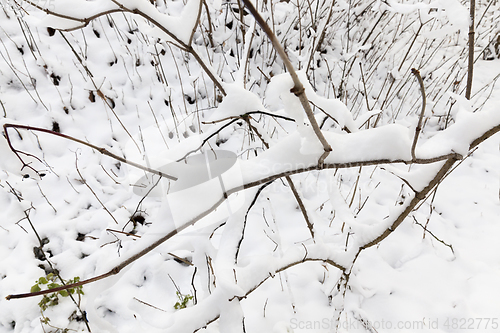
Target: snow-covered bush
286,166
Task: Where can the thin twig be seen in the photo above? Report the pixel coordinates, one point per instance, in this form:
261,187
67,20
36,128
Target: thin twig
247,114
99,149
210,30
301,205
298,88
419,196
434,236
424,101
259,191
470,68
91,190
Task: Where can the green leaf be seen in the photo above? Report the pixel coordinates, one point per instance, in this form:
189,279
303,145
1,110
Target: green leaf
64,293
42,280
53,285
35,288
184,300
43,303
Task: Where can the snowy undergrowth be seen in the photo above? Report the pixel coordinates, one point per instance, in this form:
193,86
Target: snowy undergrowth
118,84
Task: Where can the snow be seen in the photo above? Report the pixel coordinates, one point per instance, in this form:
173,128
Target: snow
458,137
238,101
179,26
249,260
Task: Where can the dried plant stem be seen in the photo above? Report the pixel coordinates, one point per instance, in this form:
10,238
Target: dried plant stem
298,88
321,37
424,101
210,30
434,236
91,190
470,68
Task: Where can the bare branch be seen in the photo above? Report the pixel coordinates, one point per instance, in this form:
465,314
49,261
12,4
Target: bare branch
470,68
91,190
424,101
99,149
301,205
419,196
84,21
298,88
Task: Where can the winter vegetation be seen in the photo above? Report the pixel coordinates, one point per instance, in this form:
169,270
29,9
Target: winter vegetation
249,166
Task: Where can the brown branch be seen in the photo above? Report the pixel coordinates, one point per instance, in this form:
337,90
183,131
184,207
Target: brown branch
295,263
298,88
223,197
210,30
99,149
424,101
84,21
259,191
200,6
434,236
419,196
485,136
351,165
470,68
246,114
301,206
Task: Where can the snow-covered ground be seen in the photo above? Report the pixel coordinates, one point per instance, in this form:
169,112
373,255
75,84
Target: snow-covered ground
249,263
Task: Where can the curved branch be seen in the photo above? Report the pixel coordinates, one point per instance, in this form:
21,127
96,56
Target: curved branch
101,150
424,101
84,21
